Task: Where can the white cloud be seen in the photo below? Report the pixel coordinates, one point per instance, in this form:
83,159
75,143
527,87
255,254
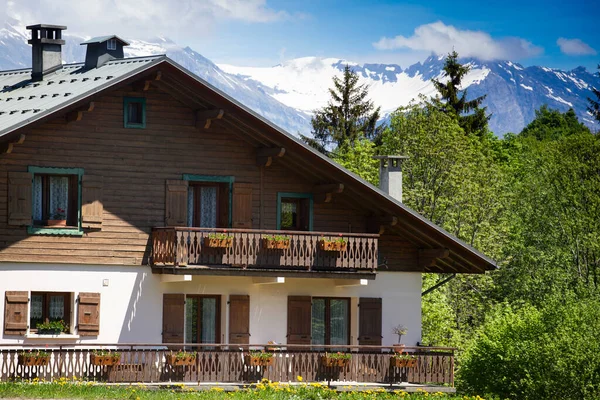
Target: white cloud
440,39
575,47
139,18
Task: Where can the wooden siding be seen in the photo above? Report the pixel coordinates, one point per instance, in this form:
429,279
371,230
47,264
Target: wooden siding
134,165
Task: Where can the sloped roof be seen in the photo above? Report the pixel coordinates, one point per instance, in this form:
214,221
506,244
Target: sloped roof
101,39
23,102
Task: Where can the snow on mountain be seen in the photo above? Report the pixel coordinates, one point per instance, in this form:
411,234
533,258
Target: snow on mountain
289,92
513,92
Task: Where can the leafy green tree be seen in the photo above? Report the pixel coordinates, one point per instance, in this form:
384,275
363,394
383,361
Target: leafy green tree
536,353
551,124
348,115
471,117
359,159
594,106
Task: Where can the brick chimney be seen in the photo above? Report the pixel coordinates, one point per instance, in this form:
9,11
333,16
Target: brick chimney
46,49
390,175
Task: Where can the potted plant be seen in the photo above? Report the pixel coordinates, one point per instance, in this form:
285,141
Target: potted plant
34,358
400,360
338,244
276,242
181,358
57,218
399,330
52,327
338,359
221,240
258,359
105,357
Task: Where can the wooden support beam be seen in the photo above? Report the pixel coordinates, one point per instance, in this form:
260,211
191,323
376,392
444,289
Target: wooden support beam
351,282
77,115
205,117
144,85
324,193
265,155
428,257
378,224
7,148
175,278
268,280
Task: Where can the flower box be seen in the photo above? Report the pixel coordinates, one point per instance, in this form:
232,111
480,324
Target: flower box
276,244
333,245
254,361
56,222
217,242
403,362
112,359
49,331
33,360
179,360
334,362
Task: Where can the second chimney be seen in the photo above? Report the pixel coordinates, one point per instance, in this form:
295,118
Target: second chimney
390,175
46,49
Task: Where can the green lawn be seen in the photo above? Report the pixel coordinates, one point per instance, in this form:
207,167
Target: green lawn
65,389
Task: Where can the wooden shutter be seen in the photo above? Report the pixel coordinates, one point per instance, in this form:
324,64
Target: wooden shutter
15,313
176,203
239,319
19,198
242,205
173,317
91,201
88,314
369,321
299,320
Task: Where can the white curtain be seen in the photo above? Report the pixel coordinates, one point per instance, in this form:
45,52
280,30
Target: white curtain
208,207
59,197
37,200
57,307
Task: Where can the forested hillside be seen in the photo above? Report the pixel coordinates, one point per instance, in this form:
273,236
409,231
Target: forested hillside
530,200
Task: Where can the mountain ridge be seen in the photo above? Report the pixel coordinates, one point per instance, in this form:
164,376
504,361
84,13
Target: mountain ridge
288,93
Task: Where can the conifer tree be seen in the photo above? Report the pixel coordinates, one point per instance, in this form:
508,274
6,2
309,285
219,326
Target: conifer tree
471,117
594,107
348,116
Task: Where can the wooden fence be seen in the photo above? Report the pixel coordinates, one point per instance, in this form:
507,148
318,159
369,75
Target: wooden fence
186,246
225,363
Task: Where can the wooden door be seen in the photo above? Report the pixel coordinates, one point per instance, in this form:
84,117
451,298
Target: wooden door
239,319
173,317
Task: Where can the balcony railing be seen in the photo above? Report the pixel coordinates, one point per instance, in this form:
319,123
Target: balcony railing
146,363
187,246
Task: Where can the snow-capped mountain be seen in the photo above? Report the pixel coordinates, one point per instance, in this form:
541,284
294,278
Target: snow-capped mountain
288,93
16,53
513,92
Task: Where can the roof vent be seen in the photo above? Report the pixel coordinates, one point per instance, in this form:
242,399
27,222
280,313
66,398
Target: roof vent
102,49
46,48
390,175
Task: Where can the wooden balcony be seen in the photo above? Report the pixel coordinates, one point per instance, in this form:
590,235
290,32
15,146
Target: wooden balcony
180,247
147,363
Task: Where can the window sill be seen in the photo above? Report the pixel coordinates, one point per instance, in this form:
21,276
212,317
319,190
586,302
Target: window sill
46,337
134,125
41,230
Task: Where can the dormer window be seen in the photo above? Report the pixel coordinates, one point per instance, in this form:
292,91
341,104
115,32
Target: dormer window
111,44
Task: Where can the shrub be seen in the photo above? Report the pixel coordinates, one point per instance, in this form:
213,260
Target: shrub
530,353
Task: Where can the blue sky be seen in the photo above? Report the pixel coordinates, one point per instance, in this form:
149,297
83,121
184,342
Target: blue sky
266,32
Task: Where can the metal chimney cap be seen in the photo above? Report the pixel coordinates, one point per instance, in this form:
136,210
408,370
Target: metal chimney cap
391,157
46,26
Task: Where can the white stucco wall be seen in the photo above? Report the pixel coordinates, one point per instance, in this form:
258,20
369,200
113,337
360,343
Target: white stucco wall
131,304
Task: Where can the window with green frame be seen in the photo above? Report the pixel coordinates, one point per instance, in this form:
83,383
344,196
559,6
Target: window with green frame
134,112
295,211
56,200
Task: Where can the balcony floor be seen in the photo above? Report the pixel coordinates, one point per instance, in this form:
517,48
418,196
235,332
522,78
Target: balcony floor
256,272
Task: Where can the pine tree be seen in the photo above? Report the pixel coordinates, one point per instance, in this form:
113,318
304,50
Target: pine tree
594,107
471,117
348,115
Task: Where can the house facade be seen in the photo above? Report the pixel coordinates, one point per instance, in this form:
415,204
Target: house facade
139,204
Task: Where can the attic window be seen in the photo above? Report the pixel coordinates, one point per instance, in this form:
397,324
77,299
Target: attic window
134,112
111,44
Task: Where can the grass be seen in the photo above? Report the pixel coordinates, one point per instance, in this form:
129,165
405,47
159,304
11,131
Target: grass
265,390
